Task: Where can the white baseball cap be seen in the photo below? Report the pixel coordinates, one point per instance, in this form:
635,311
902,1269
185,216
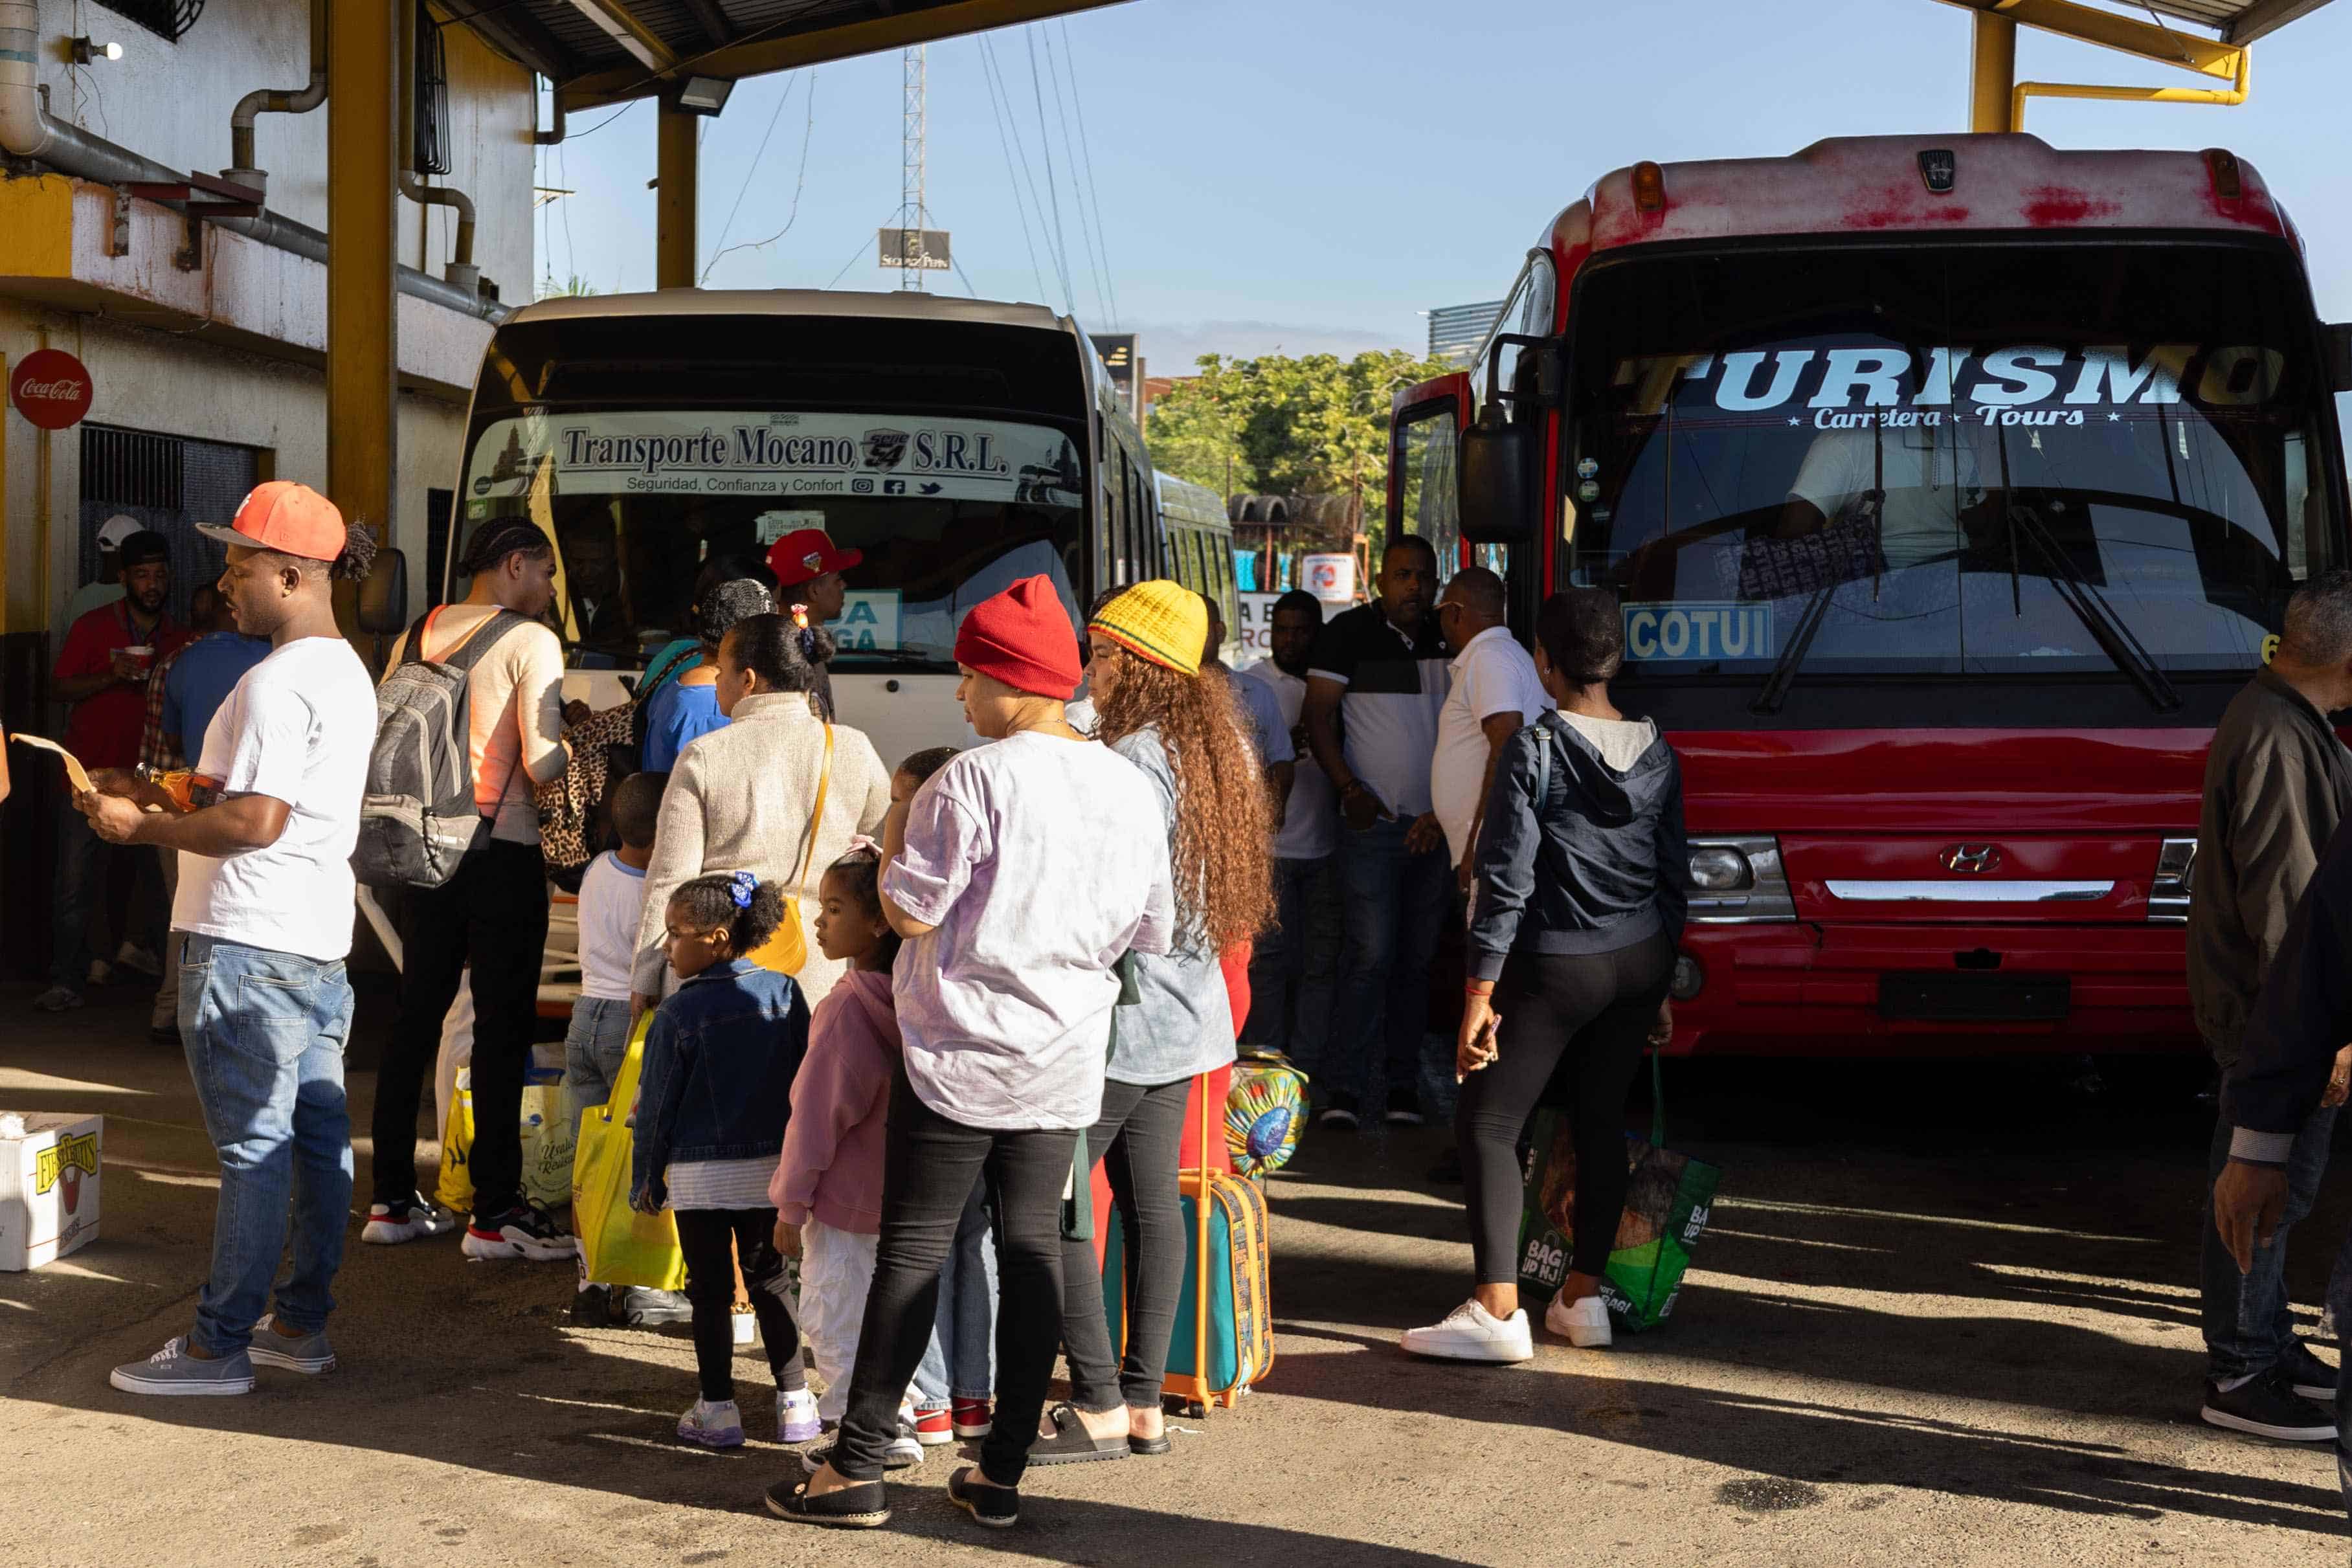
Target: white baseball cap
116,529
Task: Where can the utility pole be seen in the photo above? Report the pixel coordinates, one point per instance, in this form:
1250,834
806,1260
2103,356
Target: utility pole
911,214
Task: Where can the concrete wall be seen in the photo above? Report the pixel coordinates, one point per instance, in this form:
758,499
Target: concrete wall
171,102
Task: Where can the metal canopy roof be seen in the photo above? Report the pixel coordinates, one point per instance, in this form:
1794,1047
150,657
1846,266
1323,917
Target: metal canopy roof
2238,21
609,51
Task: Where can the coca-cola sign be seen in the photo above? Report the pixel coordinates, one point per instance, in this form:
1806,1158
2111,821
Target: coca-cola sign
50,388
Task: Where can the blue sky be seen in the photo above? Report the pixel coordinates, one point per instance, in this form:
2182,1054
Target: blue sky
1308,175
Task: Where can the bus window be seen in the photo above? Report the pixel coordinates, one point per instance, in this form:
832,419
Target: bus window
1426,448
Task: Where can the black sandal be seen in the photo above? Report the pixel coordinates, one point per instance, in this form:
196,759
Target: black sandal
1148,1447
861,1506
999,1507
1072,1444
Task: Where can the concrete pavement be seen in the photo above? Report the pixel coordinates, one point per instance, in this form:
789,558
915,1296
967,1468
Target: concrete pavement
1945,1315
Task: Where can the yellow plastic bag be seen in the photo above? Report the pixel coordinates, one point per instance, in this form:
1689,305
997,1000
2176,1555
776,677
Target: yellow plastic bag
546,1148
618,1246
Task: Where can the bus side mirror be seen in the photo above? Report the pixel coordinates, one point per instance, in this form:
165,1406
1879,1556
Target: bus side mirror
1497,500
2337,338
383,596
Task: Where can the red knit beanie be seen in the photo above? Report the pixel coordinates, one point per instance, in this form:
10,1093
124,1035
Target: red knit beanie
1023,638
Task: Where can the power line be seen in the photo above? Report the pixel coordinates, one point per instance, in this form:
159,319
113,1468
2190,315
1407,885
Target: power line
749,174
800,183
575,135
1086,236
996,108
1046,141
1094,194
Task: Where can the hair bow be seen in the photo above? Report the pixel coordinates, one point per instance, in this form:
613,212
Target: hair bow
861,843
740,886
800,616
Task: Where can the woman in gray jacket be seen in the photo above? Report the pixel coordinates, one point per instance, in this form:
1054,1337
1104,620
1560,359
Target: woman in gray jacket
1576,909
740,797
1179,724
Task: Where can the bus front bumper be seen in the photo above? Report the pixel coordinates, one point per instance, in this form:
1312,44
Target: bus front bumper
1818,989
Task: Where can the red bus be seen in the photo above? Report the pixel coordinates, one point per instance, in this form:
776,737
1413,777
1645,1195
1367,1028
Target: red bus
1951,488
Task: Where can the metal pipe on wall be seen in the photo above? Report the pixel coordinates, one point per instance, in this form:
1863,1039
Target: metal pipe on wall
246,169
27,130
461,270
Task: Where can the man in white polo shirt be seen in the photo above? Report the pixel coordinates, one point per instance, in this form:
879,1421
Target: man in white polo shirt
1494,695
265,832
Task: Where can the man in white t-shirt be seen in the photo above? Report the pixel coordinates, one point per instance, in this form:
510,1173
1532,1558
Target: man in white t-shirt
490,917
1494,695
1294,966
1928,474
265,836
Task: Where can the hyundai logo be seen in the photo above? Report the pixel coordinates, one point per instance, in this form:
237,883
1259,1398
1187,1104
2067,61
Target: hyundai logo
1975,858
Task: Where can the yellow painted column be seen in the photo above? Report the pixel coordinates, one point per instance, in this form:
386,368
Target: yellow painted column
678,192
363,231
1992,73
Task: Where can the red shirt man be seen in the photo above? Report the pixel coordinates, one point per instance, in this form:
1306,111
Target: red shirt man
106,684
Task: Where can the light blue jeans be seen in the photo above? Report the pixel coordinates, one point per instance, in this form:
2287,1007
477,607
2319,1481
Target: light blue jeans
964,1329
264,1033
594,1048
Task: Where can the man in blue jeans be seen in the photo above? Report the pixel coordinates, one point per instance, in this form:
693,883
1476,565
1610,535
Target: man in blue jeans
2277,784
265,838
1376,683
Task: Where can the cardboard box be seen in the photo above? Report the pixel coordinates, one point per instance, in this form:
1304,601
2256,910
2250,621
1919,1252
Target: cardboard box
48,1188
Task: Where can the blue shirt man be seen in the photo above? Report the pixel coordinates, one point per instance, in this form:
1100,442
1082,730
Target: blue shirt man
199,681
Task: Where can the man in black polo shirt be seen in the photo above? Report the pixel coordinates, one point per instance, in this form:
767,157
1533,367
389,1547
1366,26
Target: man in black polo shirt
1375,684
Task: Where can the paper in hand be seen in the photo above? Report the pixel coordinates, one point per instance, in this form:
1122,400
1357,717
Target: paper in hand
74,770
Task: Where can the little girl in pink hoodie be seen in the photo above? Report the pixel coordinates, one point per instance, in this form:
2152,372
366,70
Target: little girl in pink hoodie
828,1185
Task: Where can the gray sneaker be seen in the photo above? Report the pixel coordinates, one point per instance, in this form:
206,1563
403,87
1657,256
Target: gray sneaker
309,1355
172,1370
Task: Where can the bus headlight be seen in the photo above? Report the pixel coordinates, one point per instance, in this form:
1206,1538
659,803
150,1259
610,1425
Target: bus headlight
1737,881
1688,978
1720,869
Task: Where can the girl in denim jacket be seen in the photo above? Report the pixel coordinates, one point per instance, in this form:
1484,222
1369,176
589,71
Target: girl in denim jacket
716,1092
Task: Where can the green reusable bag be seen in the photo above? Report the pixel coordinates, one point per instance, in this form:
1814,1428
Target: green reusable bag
1666,1204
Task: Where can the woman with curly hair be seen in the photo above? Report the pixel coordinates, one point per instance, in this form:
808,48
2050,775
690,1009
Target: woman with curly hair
1181,725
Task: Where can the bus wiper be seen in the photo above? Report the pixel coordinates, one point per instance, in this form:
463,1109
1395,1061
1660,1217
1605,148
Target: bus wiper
1801,642
2114,637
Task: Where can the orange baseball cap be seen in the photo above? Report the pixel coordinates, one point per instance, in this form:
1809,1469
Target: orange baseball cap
282,515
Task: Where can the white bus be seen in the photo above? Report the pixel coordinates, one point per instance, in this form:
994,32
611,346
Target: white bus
959,445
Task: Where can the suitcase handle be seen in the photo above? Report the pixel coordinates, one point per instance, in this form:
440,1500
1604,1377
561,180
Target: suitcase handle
1201,1274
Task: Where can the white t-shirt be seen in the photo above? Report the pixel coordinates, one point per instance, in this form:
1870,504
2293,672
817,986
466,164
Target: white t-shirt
1311,823
1492,675
514,709
1040,860
611,902
297,728
1929,473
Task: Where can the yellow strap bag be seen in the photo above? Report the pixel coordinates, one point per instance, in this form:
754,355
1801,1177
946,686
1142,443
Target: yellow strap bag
619,1246
786,952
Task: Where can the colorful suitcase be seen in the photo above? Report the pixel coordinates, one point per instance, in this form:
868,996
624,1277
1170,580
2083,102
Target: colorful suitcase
1225,1317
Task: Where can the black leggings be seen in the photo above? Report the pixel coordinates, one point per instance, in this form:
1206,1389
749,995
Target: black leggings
1589,1015
714,1241
1137,1142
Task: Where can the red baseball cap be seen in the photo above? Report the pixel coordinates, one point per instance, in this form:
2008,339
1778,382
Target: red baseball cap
289,517
805,553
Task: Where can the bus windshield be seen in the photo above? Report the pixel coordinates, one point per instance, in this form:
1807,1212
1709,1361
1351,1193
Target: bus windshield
1948,459
945,513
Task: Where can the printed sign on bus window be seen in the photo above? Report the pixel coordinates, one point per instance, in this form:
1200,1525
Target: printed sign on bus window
868,620
771,453
1844,386
1695,631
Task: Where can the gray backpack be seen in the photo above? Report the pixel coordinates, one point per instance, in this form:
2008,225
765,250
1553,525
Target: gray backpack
417,819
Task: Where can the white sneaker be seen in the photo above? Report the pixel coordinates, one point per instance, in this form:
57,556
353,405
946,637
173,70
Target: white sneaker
1584,1324
100,972
1470,1333
714,1423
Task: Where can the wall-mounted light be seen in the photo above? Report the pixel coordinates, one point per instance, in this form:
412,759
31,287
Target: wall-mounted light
87,51
703,94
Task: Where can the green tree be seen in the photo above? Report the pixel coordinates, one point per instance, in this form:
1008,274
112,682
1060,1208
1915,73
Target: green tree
1285,424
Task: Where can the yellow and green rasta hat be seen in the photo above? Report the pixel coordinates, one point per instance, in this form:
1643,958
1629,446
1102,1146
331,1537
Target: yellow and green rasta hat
1164,622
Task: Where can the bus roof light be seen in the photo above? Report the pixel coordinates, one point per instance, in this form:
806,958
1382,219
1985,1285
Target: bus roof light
2223,168
1649,187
